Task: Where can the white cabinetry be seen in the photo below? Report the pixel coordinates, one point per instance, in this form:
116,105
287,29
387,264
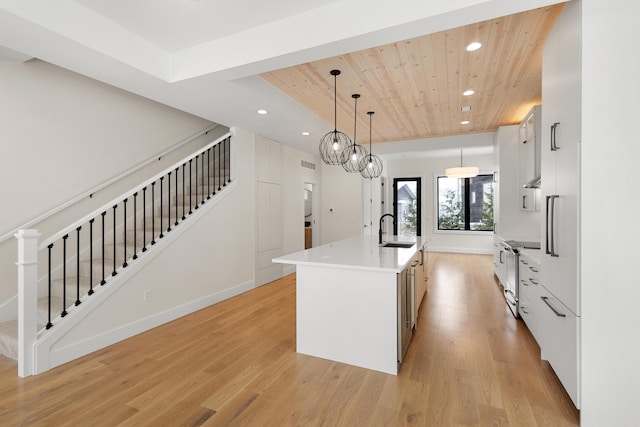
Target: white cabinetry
499,262
511,222
269,208
529,160
559,278
530,303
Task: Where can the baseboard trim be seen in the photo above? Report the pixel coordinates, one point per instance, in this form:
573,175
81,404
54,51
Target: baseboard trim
81,348
287,270
461,250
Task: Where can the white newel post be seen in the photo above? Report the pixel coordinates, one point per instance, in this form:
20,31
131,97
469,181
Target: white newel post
27,299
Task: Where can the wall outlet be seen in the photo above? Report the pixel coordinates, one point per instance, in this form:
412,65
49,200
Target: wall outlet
147,295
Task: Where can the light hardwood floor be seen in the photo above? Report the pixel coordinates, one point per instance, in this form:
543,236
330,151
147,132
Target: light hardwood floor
234,363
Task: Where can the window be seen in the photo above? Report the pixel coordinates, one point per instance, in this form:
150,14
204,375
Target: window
406,206
465,204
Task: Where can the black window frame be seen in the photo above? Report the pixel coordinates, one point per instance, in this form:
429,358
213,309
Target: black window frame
466,214
418,181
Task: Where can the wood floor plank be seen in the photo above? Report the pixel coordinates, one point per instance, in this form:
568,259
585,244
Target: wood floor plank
234,363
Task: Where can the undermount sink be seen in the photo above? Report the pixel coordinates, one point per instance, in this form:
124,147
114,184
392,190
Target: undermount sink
397,244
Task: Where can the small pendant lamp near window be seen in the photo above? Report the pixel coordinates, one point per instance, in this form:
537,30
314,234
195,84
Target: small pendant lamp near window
372,167
462,171
352,155
335,142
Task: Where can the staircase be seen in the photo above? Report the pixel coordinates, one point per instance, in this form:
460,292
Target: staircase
85,256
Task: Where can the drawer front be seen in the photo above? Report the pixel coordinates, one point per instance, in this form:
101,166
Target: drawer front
559,342
530,308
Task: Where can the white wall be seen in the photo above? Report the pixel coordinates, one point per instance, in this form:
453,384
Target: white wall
62,134
610,206
340,203
293,184
428,167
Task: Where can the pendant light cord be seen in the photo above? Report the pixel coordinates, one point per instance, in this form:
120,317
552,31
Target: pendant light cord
335,100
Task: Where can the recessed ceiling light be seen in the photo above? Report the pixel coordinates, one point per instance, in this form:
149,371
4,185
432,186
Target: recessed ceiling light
262,112
465,108
464,122
468,92
473,46
305,133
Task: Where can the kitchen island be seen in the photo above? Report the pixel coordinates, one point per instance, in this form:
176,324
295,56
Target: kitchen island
349,300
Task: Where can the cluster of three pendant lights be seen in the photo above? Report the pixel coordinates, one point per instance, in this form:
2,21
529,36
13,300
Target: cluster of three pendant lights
336,148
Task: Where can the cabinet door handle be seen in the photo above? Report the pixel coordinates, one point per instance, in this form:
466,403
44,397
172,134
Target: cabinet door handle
524,309
550,227
524,202
523,282
533,269
556,312
547,249
553,226
554,141
533,281
501,260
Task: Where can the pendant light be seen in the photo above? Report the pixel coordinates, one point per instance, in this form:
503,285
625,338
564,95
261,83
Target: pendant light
352,155
372,167
335,142
462,171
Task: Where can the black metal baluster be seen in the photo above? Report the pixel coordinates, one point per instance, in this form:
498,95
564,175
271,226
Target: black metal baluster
153,213
124,238
114,241
202,201
91,256
196,207
103,281
208,173
78,265
144,219
64,275
184,191
219,168
49,324
135,225
229,160
214,169
176,223
190,187
224,161
169,204
161,213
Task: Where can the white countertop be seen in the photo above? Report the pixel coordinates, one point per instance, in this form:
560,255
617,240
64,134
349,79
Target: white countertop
360,252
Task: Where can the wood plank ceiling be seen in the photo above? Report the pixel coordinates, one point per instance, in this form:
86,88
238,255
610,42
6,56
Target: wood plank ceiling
415,86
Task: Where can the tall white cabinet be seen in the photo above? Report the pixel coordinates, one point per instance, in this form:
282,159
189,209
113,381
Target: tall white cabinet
268,209
559,299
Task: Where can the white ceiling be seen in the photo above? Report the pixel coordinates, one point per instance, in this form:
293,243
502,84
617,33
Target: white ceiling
203,57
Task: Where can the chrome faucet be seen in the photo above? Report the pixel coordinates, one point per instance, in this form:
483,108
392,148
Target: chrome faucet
380,228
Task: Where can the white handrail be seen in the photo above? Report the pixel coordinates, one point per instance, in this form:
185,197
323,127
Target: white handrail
106,183
127,194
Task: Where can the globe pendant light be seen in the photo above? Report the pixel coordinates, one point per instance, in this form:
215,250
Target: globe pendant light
372,164
333,143
462,172
352,155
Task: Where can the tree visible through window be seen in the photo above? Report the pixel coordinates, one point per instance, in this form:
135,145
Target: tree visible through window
465,203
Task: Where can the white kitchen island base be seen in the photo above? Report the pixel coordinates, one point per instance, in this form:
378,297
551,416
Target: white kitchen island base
348,315
353,300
